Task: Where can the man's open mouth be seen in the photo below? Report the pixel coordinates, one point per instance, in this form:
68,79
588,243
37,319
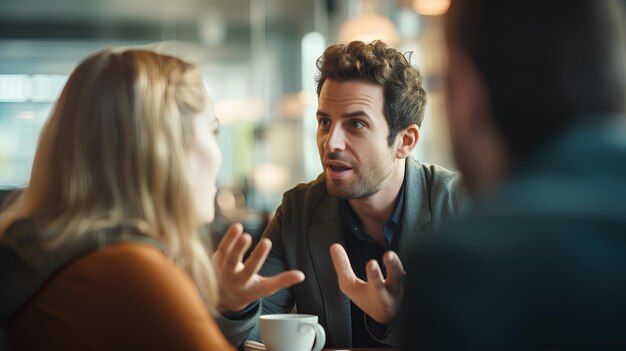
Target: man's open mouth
339,168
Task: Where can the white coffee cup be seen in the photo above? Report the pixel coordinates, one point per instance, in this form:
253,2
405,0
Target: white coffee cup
291,332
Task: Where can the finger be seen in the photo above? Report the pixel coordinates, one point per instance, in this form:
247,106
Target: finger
257,257
375,280
216,259
381,305
230,238
270,285
226,244
239,249
395,271
341,262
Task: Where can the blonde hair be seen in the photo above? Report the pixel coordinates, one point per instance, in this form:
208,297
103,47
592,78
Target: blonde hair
116,152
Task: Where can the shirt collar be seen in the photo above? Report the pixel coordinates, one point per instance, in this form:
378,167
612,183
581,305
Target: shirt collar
396,215
392,225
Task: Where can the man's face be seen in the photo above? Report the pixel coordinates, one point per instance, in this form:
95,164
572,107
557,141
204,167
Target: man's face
352,138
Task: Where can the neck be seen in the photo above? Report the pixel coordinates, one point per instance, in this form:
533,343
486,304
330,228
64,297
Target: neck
374,210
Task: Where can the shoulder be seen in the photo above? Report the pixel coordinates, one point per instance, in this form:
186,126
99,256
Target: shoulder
307,194
438,177
144,286
443,188
134,268
135,279
528,259
488,238
142,256
141,300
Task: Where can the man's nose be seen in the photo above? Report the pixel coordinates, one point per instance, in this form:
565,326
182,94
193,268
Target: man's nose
336,139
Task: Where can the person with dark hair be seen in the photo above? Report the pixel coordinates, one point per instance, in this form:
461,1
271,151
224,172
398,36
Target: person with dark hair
370,203
537,108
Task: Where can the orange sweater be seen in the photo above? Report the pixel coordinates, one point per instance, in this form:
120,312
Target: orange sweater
123,297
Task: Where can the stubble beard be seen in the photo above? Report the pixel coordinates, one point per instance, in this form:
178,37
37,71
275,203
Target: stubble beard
338,189
364,186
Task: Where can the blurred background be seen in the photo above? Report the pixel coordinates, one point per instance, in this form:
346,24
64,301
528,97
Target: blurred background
258,61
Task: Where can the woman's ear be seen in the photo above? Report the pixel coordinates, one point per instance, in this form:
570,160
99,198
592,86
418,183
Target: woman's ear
407,140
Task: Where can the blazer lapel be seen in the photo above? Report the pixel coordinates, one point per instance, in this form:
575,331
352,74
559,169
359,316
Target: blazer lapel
325,230
416,207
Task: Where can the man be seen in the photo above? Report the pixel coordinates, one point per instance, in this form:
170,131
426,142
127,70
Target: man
372,200
536,94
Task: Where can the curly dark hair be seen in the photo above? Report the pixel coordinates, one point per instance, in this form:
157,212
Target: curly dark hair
378,63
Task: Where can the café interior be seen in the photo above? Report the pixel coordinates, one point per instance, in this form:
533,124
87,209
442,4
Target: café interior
258,61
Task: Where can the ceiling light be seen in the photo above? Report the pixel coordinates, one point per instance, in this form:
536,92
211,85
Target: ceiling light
431,7
369,27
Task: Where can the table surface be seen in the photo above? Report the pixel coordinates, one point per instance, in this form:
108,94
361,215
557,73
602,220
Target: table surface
254,346
361,349
350,349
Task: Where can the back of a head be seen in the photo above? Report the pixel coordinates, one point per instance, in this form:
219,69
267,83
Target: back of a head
117,140
545,64
378,63
114,147
117,152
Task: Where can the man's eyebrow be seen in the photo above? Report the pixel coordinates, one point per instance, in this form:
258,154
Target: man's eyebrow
356,114
322,113
345,115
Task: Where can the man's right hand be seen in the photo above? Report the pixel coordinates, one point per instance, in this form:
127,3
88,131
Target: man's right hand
378,297
239,283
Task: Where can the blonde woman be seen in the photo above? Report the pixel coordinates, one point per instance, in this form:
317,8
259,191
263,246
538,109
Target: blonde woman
102,250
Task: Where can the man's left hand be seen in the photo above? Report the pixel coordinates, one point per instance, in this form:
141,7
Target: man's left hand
378,297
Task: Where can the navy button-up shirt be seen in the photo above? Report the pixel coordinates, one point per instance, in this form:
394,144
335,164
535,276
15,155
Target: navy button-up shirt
361,248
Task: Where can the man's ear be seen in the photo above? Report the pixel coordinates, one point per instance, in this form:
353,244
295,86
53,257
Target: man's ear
407,140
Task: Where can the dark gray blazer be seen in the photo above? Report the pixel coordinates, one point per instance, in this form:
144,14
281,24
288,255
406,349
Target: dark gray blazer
305,225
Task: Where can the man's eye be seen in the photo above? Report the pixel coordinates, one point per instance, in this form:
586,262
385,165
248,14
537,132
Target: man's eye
357,124
324,122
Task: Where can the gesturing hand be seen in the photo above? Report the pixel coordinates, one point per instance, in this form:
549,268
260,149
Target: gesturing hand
379,298
239,282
